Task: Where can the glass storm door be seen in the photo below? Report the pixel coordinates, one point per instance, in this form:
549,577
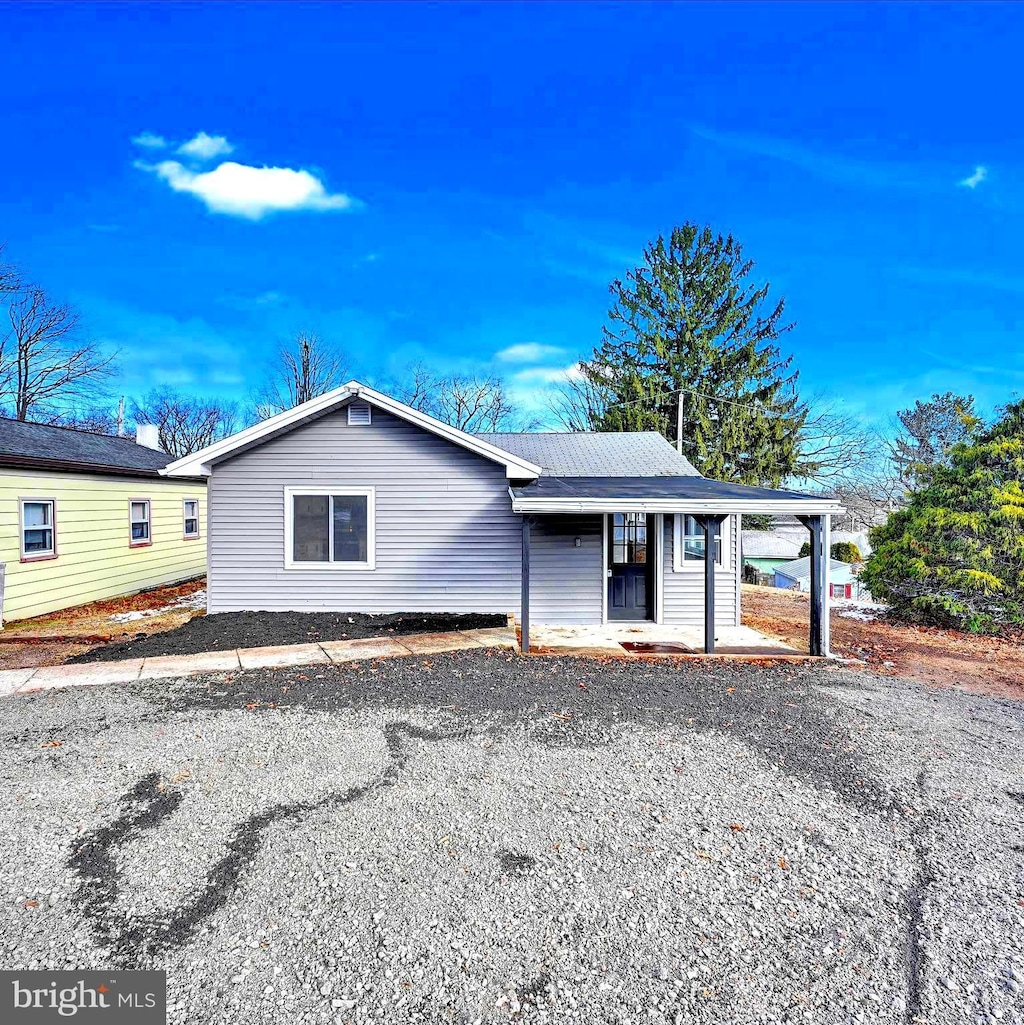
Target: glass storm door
630,559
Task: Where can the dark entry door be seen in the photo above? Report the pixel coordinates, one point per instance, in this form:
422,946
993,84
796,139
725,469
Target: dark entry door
629,566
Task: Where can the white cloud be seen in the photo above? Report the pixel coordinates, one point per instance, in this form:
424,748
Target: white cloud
149,140
974,180
205,147
528,352
547,375
251,192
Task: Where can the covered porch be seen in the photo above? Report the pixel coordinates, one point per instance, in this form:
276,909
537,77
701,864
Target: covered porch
630,571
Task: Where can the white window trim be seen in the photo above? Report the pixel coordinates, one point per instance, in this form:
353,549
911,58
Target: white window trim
185,518
37,556
681,565
148,503
371,528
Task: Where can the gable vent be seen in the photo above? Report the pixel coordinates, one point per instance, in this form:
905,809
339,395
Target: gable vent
359,414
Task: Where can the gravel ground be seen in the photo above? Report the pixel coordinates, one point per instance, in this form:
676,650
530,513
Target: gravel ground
229,630
481,838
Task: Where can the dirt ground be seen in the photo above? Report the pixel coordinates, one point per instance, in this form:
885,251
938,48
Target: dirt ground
943,658
54,638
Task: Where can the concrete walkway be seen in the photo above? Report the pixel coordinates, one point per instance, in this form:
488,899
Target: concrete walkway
26,681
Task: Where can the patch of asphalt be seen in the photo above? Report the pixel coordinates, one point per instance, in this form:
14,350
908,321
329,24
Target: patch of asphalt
479,837
226,631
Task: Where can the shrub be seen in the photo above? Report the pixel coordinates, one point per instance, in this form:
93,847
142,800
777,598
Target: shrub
846,551
955,555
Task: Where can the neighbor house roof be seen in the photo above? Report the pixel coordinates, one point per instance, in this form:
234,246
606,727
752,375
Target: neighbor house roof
763,544
679,493
64,448
800,568
584,454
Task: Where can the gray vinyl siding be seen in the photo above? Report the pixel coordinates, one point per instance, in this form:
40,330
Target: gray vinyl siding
684,590
446,537
566,581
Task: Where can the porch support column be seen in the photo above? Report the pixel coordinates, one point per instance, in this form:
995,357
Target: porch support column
524,599
819,584
710,525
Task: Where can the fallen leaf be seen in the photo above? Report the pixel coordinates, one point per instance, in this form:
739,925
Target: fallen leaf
783,865
52,743
736,827
31,904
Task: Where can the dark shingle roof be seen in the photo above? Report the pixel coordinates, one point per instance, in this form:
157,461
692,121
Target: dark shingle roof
28,444
690,486
581,454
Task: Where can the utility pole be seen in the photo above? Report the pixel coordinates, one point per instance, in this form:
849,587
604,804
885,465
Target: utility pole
120,418
679,423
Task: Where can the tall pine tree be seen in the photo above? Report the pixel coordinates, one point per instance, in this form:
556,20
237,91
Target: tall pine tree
689,334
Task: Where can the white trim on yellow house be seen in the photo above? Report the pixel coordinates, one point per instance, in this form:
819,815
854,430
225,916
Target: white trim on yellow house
94,557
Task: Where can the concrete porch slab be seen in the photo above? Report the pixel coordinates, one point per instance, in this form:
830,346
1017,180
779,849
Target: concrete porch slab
607,640
281,656
362,649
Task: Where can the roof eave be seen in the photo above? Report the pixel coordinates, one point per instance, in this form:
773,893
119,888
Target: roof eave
805,507
73,466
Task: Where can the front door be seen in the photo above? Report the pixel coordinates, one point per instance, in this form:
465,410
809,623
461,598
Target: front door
630,565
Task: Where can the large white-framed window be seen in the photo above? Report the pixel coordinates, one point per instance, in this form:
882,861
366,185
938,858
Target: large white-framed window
190,509
329,528
688,543
139,524
38,524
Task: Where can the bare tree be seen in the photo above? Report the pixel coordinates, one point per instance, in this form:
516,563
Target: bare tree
10,276
837,449
467,402
579,402
304,368
43,357
187,424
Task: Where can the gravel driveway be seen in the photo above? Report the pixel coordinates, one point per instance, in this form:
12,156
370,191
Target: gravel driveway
482,838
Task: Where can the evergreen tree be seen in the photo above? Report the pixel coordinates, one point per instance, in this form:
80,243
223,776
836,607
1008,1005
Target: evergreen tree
955,555
689,335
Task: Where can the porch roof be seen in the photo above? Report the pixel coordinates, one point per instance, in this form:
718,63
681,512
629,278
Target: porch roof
689,494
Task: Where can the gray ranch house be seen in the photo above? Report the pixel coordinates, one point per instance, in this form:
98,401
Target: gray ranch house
354,501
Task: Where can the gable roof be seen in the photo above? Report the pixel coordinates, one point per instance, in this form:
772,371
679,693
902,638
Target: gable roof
202,462
586,454
41,445
800,568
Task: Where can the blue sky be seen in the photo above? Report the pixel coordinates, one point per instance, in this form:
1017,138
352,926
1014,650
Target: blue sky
460,183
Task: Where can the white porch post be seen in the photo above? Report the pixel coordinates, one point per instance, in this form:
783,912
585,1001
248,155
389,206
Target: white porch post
826,598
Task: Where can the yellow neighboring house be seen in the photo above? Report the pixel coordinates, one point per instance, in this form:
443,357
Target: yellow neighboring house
86,516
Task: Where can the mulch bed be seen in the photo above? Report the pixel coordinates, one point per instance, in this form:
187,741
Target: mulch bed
228,630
